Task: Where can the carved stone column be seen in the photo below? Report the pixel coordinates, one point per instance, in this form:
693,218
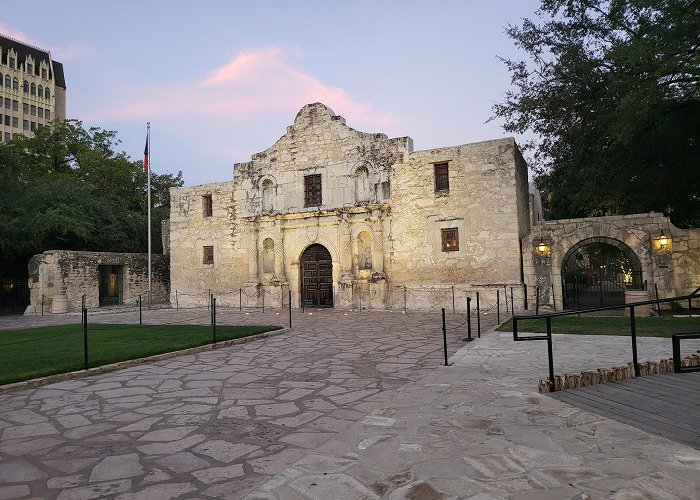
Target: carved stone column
279,253
377,246
346,271
253,254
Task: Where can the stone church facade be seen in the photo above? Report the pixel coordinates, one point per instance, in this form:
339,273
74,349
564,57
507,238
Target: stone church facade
347,219
341,217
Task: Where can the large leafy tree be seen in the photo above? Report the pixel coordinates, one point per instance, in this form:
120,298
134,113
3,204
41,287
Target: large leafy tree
69,188
611,92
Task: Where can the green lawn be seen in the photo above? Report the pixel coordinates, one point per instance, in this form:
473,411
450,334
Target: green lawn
665,326
37,352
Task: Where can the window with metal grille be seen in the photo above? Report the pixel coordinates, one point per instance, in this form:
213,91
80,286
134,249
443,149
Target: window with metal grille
312,190
207,206
442,177
450,239
208,255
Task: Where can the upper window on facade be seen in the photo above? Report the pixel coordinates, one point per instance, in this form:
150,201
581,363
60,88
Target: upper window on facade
267,188
207,206
8,81
442,177
208,255
47,114
1,80
30,68
43,73
15,122
312,190
25,108
450,239
40,112
15,83
7,120
40,92
362,184
25,87
15,105
8,103
33,89
12,62
47,93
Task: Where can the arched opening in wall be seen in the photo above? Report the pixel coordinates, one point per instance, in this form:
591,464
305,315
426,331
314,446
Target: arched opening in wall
316,272
362,191
364,250
597,272
267,188
268,256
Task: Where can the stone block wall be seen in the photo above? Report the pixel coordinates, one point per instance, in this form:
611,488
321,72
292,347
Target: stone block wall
71,273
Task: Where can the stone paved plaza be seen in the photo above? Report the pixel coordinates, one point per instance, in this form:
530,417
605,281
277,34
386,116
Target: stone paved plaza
346,405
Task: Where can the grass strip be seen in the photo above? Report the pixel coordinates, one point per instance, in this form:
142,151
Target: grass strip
663,326
37,352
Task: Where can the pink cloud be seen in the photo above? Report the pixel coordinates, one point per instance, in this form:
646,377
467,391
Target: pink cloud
68,52
262,81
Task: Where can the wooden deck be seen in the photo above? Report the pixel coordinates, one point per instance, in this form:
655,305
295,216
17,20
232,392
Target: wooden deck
667,405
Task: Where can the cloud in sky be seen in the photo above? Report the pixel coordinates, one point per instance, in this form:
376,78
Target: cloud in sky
69,52
254,83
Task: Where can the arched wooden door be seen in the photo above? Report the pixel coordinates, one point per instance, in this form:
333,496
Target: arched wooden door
316,277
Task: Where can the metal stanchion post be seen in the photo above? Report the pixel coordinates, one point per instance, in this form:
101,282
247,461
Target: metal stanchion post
213,318
498,306
453,299
469,338
177,303
404,298
211,310
512,303
505,296
658,304
42,304
444,335
633,329
537,300
478,316
554,299
290,309
263,299
240,299
85,339
525,295
140,312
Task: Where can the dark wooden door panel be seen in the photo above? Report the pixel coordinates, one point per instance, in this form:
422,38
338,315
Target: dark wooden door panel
317,277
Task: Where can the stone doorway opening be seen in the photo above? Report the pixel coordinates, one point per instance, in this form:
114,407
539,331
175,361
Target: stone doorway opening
316,271
111,285
597,272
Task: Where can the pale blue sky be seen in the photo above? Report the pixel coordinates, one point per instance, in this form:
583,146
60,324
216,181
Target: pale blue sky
221,80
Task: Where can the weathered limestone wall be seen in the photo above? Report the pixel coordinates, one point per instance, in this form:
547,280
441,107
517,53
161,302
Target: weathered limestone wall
379,218
485,203
674,269
70,273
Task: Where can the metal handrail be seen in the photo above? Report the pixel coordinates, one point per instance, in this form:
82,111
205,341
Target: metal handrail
633,328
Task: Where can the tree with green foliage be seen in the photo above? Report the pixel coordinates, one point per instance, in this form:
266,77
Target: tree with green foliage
611,93
67,188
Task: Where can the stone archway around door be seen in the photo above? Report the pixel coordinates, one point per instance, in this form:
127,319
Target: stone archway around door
596,272
316,276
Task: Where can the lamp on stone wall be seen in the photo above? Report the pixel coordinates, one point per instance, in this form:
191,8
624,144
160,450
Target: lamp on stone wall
663,240
542,247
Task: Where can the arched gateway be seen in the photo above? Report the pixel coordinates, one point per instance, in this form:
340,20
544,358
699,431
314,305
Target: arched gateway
597,271
316,276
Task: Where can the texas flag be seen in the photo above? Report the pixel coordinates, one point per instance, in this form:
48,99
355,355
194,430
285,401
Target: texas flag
145,156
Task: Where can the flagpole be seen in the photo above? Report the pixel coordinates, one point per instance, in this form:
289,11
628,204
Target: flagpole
148,142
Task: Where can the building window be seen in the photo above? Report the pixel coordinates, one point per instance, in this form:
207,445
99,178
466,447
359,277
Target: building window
7,120
450,239
207,206
208,255
15,122
25,124
25,86
25,108
8,81
15,105
47,114
312,190
47,93
43,73
12,62
1,80
7,136
40,112
33,108
30,68
40,92
15,84
33,89
7,103
442,177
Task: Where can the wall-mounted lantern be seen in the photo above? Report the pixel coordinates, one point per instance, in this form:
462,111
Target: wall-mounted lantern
663,241
542,248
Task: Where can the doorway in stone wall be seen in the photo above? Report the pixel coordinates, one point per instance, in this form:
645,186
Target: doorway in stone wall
597,272
316,276
111,285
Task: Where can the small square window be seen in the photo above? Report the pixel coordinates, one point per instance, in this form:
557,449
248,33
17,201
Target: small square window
442,177
208,255
312,190
450,239
207,206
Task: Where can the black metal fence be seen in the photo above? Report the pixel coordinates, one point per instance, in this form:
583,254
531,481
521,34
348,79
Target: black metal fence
633,329
14,295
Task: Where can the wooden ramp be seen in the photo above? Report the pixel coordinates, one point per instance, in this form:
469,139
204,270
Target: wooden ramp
667,405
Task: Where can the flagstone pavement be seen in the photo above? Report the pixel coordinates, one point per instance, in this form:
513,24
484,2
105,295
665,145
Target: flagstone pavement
345,405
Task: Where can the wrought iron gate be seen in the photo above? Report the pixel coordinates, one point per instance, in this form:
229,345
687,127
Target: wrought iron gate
598,286
111,285
14,295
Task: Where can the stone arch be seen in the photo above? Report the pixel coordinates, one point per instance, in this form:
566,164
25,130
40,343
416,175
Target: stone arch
362,185
268,255
625,249
267,188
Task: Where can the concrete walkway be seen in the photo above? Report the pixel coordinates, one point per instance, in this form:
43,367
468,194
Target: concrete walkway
347,405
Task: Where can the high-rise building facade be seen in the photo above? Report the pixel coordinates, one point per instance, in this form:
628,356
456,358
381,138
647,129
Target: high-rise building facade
32,88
